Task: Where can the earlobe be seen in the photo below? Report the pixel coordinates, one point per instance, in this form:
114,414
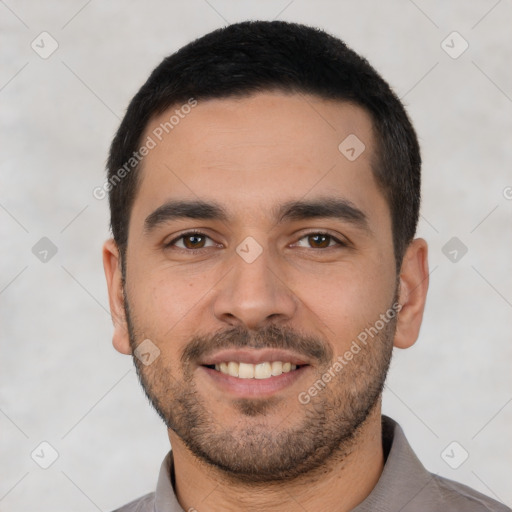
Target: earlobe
412,293
113,275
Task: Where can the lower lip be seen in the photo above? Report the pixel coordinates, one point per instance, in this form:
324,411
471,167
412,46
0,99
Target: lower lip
250,388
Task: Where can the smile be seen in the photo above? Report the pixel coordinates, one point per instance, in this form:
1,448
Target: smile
264,370
253,373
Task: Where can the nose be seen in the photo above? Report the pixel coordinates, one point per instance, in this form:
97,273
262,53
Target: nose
254,293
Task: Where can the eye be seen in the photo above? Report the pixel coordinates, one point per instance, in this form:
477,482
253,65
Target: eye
191,240
319,241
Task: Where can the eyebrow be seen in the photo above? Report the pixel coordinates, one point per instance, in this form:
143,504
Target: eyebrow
172,210
328,207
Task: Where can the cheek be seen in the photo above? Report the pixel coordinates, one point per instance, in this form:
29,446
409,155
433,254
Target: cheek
349,301
162,298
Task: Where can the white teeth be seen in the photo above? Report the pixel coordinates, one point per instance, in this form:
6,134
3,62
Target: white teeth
245,371
262,371
233,368
255,371
277,368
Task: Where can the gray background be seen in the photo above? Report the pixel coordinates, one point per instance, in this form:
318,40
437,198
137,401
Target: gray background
61,380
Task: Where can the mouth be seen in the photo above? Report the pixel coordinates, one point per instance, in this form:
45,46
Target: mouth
264,370
254,373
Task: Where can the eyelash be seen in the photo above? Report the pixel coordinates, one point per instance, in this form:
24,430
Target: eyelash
184,235
170,244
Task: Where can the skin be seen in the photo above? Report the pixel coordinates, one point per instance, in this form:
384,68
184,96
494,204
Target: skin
250,156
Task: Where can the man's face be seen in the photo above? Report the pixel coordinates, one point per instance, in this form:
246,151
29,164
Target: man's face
291,259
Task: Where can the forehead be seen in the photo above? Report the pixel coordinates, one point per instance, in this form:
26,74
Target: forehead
254,152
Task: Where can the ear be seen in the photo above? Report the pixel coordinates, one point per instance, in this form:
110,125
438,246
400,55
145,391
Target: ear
112,267
412,293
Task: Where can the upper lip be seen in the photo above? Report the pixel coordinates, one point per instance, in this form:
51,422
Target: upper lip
254,356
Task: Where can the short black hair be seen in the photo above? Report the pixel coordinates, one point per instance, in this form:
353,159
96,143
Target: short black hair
259,56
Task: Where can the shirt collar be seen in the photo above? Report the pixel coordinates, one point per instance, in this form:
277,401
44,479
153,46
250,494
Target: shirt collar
165,497
403,478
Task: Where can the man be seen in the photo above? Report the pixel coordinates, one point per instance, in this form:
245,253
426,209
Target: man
264,190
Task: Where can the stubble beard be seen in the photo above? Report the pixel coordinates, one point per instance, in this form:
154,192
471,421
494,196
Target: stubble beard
250,451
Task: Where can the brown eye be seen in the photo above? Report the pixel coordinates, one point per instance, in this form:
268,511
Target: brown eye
194,241
319,241
190,241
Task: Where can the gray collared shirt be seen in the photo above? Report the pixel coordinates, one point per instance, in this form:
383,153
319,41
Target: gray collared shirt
404,485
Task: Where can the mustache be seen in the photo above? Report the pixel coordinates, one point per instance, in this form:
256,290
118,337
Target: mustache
272,336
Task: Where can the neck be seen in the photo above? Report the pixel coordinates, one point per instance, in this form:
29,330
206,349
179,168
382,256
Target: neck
343,482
